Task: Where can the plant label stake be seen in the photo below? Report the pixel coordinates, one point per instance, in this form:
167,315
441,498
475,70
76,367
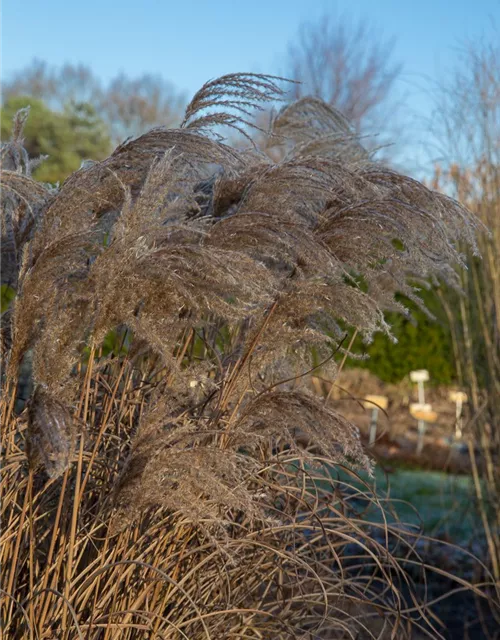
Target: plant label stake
458,397
374,403
423,413
420,376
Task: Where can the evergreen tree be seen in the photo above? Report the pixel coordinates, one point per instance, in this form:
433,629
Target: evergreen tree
67,137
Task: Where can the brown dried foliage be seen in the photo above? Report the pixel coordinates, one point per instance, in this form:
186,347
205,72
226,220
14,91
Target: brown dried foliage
224,269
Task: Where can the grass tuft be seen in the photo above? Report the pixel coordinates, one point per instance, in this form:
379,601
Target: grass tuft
178,485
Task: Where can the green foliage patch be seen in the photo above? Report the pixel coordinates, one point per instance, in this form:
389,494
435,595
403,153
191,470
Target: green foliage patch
422,343
66,137
7,295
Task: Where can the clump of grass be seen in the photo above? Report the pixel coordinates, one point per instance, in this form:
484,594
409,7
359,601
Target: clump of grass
181,500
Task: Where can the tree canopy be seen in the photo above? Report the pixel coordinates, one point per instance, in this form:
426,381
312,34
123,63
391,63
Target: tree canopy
67,137
349,66
129,106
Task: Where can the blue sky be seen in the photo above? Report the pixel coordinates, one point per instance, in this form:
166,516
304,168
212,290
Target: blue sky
192,41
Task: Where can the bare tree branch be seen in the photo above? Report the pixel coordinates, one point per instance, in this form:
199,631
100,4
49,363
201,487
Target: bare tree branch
347,66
